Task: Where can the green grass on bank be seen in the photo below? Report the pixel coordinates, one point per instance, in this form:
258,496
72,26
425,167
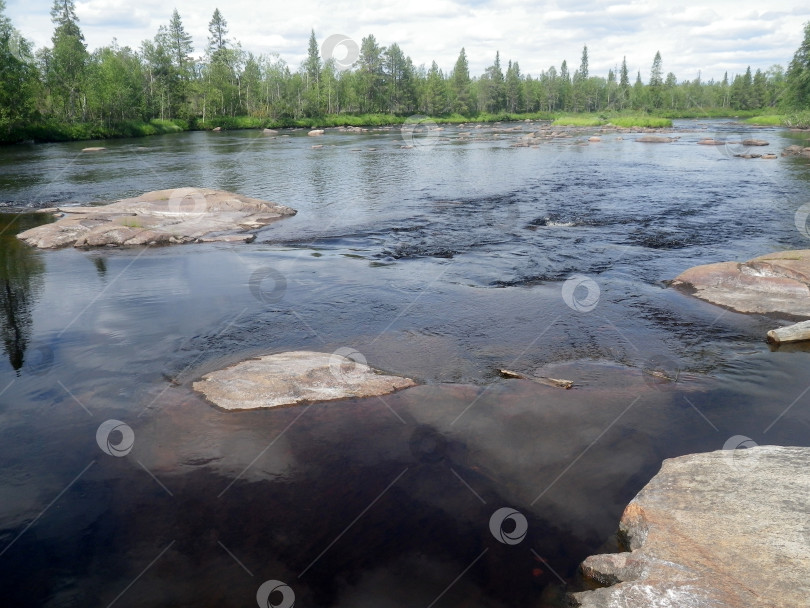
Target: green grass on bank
795,120
629,120
357,120
53,131
768,120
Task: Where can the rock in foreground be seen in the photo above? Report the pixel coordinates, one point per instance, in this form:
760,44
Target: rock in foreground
775,283
729,528
184,215
294,378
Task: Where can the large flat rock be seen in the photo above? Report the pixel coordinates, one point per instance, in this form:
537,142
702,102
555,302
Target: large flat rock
729,528
294,378
777,283
182,215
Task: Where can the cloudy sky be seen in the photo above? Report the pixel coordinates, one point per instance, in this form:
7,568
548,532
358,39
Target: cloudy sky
711,37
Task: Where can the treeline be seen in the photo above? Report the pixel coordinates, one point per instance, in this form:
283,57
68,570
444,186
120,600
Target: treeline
164,79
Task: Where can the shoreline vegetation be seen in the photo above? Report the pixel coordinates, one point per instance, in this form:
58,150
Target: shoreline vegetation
58,132
67,92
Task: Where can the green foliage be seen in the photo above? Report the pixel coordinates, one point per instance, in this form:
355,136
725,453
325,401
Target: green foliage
579,121
769,120
798,120
797,79
641,121
629,120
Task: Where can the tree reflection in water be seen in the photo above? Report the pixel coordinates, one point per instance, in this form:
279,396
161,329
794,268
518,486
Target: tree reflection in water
21,270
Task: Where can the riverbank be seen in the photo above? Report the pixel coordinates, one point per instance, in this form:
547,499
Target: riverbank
796,120
59,132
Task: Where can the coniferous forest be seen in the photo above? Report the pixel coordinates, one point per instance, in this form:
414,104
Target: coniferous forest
67,91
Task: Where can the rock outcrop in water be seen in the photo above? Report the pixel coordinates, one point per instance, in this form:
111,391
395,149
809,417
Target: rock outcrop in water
294,378
777,283
728,528
184,215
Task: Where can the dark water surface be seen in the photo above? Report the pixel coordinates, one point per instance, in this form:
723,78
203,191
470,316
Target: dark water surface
443,262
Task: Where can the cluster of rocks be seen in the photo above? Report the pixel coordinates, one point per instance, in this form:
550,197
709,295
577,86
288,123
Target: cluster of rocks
796,151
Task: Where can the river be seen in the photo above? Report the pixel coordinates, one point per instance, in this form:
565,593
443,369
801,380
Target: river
444,261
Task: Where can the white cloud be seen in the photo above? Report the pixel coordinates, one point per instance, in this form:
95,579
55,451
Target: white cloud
711,36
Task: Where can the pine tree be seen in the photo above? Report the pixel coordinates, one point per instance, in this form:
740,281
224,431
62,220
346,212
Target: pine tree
583,66
460,80
312,64
218,30
180,44
797,79
68,62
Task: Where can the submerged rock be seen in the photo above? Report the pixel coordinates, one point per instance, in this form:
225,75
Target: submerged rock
775,283
183,215
294,378
728,528
654,139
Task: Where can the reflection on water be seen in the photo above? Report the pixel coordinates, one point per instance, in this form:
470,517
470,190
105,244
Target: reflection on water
21,271
444,266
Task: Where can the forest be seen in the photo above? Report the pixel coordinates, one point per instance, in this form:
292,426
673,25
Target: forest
67,91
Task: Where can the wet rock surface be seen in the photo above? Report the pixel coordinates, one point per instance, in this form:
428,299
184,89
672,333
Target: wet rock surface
162,217
776,283
294,378
726,528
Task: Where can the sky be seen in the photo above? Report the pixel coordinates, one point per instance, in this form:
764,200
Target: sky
710,37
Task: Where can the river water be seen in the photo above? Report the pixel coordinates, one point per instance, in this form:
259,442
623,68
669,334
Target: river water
444,262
